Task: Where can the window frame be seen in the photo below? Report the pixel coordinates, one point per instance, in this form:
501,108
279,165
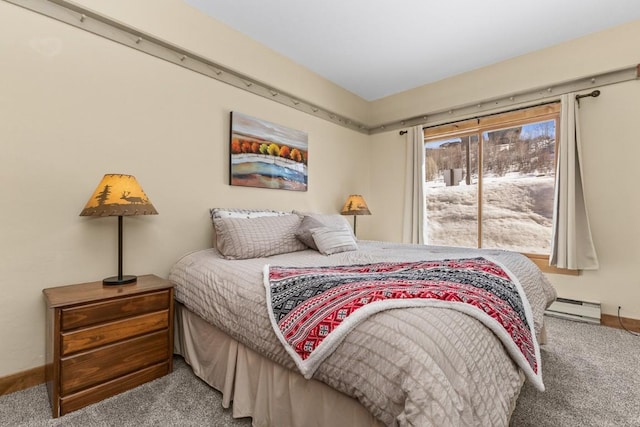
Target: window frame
478,126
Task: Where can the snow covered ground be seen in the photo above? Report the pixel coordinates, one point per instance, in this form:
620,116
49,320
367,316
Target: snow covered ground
517,213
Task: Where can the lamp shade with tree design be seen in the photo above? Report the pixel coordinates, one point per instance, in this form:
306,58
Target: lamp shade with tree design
118,195
355,205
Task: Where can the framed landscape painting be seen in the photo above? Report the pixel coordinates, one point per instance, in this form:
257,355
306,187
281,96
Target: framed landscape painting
267,155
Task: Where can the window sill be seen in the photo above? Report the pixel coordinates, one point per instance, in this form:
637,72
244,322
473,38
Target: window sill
542,261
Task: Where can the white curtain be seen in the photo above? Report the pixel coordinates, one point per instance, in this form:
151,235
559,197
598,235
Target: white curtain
414,204
571,244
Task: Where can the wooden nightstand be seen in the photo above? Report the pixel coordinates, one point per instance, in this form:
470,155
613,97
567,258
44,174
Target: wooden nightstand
103,340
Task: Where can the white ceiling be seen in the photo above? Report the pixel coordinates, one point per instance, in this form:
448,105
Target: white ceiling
376,48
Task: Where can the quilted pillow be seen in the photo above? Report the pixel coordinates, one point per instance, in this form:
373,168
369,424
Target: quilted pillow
333,240
242,238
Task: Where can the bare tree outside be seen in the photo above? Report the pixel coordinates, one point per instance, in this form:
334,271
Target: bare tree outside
518,175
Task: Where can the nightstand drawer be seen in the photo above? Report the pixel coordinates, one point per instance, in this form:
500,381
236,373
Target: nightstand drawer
91,395
99,335
90,314
107,363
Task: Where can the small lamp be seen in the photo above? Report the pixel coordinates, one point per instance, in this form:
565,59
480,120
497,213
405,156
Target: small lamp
355,205
118,195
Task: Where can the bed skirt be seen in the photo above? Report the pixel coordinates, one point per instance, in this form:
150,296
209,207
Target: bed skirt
258,387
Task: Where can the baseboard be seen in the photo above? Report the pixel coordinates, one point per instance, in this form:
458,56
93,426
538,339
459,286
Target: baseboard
21,380
585,311
612,321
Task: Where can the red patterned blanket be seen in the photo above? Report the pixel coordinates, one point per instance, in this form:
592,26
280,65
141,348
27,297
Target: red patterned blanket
312,309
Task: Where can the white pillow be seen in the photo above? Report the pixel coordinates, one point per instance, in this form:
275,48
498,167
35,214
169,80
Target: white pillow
242,238
244,213
333,240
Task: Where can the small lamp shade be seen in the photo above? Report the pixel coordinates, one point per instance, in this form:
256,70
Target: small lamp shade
355,205
118,195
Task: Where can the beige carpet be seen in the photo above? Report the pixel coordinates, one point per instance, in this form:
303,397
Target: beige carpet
592,376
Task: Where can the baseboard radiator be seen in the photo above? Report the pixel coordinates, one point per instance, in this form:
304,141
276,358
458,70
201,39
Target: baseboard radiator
572,309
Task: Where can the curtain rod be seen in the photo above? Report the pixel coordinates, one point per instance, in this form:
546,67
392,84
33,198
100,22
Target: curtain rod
593,94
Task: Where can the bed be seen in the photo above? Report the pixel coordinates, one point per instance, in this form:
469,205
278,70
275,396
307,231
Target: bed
420,365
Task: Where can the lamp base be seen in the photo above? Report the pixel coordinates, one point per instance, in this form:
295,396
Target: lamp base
115,280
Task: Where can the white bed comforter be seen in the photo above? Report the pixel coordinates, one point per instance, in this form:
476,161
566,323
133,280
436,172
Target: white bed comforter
415,367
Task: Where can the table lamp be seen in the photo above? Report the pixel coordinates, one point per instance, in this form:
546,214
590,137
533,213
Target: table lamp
118,195
355,205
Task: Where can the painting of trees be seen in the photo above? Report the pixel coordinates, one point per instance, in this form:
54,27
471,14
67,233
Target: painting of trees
265,154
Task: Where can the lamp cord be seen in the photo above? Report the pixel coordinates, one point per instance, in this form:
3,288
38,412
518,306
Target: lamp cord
624,327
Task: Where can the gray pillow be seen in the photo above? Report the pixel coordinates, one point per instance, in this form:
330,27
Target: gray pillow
242,238
333,240
304,231
329,220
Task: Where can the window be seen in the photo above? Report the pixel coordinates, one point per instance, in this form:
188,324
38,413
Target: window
490,181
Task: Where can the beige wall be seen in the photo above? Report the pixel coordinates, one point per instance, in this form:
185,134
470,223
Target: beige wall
75,106
610,152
